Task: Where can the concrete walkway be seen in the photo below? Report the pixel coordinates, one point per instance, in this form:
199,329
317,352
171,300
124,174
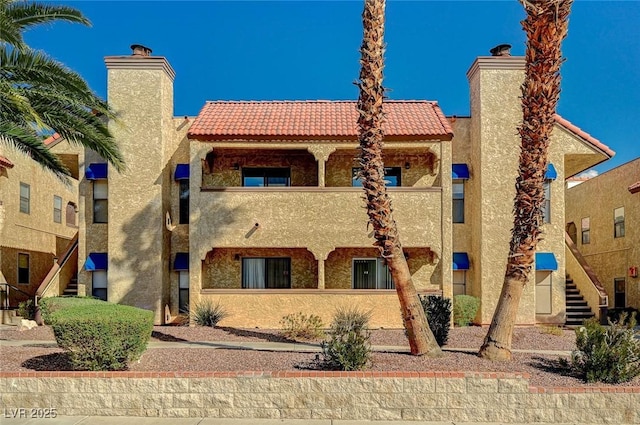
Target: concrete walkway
128,420
266,346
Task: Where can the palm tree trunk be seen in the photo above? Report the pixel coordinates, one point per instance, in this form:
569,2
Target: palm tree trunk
546,26
371,117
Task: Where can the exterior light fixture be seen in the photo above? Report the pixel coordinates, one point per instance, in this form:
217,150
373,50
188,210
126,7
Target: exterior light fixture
407,165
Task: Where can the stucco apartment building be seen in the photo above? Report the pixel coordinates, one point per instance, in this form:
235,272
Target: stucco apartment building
38,227
255,205
603,220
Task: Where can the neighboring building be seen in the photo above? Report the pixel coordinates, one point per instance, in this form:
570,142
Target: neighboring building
254,204
603,220
38,223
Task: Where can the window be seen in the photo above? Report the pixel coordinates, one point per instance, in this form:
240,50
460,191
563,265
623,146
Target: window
99,284
586,230
70,214
23,269
459,282
183,291
100,201
620,299
262,177
546,206
57,209
371,273
618,222
458,201
270,273
25,198
184,201
392,176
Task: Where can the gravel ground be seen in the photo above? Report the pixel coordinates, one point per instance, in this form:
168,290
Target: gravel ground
542,368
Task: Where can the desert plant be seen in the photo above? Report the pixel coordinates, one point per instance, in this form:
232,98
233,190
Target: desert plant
438,311
465,308
348,346
609,354
102,336
299,325
206,313
27,310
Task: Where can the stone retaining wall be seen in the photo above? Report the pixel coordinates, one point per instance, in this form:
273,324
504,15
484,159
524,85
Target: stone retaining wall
432,396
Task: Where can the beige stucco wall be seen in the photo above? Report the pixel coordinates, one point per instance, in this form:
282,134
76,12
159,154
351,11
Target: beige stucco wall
34,233
609,257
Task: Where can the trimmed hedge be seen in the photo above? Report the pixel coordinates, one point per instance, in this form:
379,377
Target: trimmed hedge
101,335
465,308
53,304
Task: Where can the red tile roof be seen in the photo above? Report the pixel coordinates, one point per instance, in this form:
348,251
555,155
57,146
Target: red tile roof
316,119
4,162
635,188
53,138
584,136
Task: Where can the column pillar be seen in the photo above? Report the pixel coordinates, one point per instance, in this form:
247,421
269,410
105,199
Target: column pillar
321,154
321,254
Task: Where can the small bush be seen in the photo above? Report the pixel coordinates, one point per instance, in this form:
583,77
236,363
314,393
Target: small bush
52,304
438,311
299,325
465,308
206,313
102,336
27,310
607,354
349,346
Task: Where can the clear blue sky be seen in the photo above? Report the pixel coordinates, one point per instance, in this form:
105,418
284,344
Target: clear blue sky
241,50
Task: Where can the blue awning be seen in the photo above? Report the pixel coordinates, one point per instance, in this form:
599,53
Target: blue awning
459,171
460,261
182,261
182,172
96,261
551,173
546,261
96,171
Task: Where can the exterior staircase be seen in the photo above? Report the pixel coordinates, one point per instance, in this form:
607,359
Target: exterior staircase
72,288
577,308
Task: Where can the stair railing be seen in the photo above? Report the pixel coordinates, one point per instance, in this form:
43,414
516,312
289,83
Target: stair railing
5,295
55,269
596,287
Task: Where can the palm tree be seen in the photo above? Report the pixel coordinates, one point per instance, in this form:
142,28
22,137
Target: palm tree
370,135
546,26
39,96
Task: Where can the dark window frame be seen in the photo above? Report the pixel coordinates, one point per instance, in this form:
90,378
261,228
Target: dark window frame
57,211
380,268
100,205
388,172
24,273
457,205
25,201
618,225
269,273
585,231
184,202
269,176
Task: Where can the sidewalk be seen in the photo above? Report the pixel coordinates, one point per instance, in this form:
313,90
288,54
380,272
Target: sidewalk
128,420
265,346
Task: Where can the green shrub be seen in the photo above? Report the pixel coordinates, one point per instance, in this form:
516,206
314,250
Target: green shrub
102,336
609,354
50,305
27,310
465,308
299,325
348,346
438,311
206,313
